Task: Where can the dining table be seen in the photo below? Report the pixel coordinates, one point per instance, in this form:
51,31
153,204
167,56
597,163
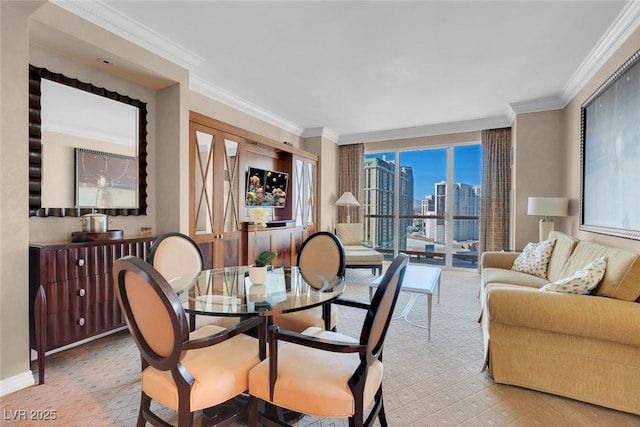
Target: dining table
229,291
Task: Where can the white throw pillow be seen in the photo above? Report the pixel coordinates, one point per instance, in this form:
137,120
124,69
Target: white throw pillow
534,259
582,281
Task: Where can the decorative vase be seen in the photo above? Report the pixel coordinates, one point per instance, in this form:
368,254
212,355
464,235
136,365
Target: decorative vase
257,275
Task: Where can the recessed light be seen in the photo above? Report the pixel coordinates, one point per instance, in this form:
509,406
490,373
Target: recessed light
103,61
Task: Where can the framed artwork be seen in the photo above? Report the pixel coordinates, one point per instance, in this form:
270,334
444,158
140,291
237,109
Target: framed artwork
610,155
105,180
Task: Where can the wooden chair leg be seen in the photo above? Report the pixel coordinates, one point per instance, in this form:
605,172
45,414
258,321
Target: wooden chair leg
381,415
253,411
145,405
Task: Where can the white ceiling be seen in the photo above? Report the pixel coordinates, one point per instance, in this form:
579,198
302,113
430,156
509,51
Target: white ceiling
367,71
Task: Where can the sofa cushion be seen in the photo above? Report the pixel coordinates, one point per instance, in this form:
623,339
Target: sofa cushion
622,277
534,259
503,276
562,249
582,281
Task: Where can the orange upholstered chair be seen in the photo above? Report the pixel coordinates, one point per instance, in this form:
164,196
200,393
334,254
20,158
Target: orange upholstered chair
322,252
182,371
326,374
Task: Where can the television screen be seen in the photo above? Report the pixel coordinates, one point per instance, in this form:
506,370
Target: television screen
266,188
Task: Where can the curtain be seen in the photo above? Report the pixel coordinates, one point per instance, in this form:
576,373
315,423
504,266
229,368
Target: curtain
350,178
496,188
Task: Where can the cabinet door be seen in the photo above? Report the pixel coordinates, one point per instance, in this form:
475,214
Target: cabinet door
305,195
215,193
231,250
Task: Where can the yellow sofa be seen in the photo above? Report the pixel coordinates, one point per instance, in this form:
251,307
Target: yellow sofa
585,347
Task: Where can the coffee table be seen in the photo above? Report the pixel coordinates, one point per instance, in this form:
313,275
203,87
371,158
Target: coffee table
418,279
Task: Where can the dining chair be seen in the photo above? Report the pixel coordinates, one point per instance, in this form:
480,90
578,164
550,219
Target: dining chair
327,374
175,254
181,371
321,252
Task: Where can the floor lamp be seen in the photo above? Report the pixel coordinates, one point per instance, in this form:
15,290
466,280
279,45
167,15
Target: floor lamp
347,199
547,206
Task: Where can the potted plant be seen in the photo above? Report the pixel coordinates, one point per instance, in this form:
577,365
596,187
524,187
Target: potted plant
258,271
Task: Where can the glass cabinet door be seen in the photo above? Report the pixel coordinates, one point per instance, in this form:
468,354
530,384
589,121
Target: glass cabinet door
298,192
203,182
310,205
231,192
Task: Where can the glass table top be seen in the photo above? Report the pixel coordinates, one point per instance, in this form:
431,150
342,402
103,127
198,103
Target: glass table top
229,291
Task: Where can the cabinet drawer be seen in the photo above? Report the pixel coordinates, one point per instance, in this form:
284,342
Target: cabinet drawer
65,263
71,263
103,317
64,327
82,292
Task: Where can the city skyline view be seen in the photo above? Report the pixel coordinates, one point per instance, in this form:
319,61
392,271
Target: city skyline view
425,227
430,166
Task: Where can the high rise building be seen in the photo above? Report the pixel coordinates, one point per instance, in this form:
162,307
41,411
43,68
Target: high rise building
379,201
428,208
466,202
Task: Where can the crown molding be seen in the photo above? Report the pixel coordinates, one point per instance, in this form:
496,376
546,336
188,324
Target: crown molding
323,132
203,87
625,24
540,104
100,13
427,130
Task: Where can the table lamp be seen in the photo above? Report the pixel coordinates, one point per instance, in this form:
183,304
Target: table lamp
347,199
547,206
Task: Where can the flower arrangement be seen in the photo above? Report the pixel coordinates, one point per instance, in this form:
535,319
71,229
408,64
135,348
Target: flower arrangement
264,258
259,216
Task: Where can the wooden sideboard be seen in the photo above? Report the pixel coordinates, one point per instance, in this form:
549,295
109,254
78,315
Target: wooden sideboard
72,293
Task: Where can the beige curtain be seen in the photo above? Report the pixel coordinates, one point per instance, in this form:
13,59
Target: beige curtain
496,187
350,178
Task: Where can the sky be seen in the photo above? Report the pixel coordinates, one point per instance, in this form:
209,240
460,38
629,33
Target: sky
430,166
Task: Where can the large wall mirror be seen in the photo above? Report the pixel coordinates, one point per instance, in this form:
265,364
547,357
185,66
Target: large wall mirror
87,148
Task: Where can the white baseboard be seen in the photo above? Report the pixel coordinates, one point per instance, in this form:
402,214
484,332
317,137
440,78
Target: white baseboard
16,383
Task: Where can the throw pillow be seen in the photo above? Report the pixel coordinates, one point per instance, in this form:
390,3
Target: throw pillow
534,259
582,281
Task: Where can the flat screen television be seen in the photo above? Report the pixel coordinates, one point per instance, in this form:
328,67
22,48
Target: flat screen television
266,188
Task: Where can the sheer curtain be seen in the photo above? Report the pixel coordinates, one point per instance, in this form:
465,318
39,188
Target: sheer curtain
350,178
496,188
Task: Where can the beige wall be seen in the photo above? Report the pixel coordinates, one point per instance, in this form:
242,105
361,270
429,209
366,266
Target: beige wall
14,190
538,169
203,105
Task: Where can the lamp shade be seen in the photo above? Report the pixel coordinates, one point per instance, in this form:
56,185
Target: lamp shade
347,199
548,206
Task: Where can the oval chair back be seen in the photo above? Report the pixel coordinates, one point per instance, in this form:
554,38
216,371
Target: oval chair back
152,310
322,252
175,254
